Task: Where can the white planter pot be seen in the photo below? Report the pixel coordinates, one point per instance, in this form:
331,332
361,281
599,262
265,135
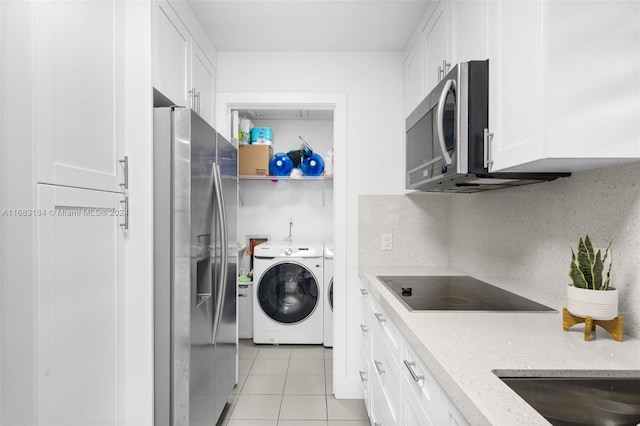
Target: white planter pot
600,305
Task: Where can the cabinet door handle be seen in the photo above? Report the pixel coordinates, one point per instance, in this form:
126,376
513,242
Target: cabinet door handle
378,366
488,138
364,291
125,202
410,366
379,317
198,102
192,96
364,328
125,164
445,67
362,376
440,74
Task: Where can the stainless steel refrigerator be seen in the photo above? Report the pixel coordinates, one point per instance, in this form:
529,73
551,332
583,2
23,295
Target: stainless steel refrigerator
195,261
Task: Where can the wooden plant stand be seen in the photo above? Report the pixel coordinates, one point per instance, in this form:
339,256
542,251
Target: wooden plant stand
614,326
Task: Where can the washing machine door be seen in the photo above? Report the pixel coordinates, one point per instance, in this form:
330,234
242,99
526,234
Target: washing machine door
288,292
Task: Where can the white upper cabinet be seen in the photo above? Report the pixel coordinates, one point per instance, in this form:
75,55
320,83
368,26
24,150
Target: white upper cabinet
515,80
564,77
203,84
470,30
415,81
564,84
438,42
171,55
182,69
78,93
451,32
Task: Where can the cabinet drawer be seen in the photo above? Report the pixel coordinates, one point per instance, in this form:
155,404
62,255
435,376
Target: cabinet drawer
413,412
384,330
381,414
420,383
387,373
450,416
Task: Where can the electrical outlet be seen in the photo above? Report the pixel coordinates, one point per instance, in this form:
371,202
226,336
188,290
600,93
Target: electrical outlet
387,242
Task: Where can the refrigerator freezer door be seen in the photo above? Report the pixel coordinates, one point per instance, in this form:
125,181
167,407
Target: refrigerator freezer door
203,362
226,334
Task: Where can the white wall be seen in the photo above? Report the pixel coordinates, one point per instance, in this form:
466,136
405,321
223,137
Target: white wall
372,83
418,223
518,238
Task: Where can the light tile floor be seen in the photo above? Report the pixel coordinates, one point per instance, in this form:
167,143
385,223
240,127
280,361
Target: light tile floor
288,385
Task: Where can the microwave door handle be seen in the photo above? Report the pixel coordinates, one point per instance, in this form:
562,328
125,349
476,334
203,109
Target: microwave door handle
450,84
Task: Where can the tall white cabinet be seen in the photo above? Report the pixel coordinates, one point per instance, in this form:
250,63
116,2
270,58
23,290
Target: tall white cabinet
83,104
79,117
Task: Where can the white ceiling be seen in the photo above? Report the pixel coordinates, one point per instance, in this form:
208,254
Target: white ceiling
309,25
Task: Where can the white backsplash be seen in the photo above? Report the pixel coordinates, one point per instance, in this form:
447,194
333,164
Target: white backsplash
418,224
517,238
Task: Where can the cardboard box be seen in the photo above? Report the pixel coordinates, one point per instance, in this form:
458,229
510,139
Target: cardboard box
254,159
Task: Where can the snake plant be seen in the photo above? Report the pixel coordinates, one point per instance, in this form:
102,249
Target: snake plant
587,267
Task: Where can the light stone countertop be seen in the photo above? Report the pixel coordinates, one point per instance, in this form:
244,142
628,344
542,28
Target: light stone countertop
462,349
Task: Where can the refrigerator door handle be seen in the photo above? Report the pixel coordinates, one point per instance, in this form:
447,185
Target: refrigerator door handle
222,216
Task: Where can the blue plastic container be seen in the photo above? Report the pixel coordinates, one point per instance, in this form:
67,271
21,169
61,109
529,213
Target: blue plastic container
280,165
312,165
261,135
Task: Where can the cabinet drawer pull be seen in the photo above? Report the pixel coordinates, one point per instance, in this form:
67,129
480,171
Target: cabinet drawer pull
410,366
125,203
364,328
379,317
362,376
378,364
364,291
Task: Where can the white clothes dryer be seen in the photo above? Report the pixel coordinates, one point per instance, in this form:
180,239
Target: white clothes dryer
289,293
328,293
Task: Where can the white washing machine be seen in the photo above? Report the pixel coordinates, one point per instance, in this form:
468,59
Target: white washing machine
328,295
289,292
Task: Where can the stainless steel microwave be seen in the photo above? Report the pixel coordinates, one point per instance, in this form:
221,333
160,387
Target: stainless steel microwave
448,136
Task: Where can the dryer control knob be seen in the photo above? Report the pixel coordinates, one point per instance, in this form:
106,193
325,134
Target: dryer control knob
288,251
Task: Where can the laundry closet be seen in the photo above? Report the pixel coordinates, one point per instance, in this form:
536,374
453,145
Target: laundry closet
291,287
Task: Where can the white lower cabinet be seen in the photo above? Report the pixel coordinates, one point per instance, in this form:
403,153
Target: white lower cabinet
387,375
81,302
398,388
420,391
413,413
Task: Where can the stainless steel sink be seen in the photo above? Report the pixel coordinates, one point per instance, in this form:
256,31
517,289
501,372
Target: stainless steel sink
572,401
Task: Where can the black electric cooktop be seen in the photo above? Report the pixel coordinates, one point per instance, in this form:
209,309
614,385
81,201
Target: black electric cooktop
456,293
